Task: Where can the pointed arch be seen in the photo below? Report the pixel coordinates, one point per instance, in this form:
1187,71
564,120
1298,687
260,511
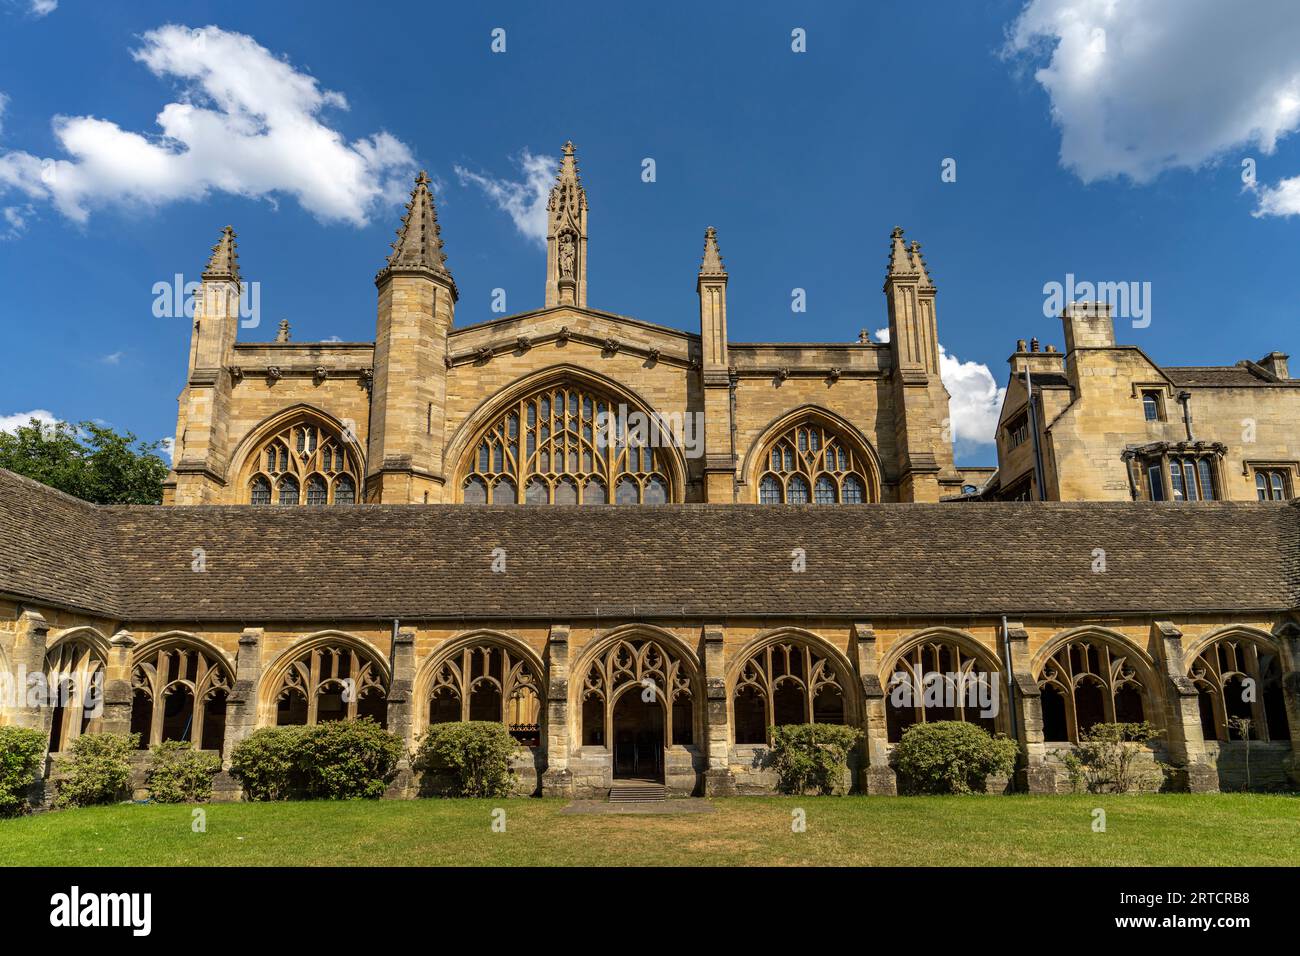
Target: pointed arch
821,480
1092,674
75,673
466,442
943,673
248,478
180,685
1237,671
483,675
316,669
789,675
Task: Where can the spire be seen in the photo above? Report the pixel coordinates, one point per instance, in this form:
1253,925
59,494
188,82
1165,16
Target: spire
566,236
224,263
918,264
567,195
900,263
712,264
418,245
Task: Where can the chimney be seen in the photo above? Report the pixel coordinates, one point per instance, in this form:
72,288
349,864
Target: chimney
1275,363
1088,325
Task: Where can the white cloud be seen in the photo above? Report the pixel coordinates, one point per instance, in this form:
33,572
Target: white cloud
42,8
1145,86
15,218
4,105
525,202
246,123
975,400
168,449
882,335
113,358
11,423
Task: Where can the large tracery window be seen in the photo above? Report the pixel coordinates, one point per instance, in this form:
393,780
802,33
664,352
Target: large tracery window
180,694
331,682
811,463
939,680
649,671
1087,682
304,463
565,445
488,682
74,671
1237,679
786,683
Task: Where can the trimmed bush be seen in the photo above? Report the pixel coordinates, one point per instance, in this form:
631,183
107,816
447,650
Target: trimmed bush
180,774
472,757
339,760
1110,758
952,756
345,759
98,770
22,752
263,763
812,758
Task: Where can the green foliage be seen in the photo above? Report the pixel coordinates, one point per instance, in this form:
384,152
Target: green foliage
264,763
345,759
952,756
98,770
22,752
812,757
472,756
180,774
88,461
1111,756
339,760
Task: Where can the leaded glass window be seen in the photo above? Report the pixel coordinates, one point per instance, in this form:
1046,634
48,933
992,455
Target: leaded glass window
810,462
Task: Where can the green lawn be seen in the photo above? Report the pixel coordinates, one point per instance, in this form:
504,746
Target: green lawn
1174,829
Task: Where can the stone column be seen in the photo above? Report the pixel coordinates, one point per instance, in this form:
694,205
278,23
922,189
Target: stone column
719,781
557,780
117,692
875,775
33,704
241,705
1033,775
1194,767
400,689
1288,640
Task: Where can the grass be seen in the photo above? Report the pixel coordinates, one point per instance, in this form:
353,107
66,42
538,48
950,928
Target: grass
1172,829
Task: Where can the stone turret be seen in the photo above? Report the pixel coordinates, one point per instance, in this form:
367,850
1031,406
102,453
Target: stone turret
566,236
719,455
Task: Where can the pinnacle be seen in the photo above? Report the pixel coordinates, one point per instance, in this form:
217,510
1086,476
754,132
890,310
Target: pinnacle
419,239
900,263
712,263
224,263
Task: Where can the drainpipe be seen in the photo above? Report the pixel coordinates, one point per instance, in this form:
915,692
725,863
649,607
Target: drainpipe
1011,683
1033,431
1185,399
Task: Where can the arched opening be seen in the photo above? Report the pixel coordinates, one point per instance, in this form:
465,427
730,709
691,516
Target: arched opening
291,709
178,713
180,694
1089,704
639,736
751,716
939,679
1055,726
327,682
788,704
1097,681
1238,681
786,681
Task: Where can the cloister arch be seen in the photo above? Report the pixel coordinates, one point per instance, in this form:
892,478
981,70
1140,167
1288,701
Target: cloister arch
329,675
75,676
520,446
663,674
970,682
483,675
789,675
1090,675
812,455
180,684
301,452
1237,672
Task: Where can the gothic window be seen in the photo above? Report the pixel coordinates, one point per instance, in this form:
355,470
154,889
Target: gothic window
642,667
489,682
566,444
939,680
331,682
786,683
1239,679
1272,484
812,463
1151,406
74,673
180,694
303,457
1088,682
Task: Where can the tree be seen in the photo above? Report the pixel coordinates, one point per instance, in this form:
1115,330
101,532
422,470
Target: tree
88,461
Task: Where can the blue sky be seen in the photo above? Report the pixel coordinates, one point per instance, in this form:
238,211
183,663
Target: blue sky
1115,156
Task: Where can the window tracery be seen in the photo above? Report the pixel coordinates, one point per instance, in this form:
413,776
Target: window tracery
810,462
786,683
304,463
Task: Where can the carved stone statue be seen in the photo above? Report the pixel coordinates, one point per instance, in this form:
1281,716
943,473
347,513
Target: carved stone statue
567,253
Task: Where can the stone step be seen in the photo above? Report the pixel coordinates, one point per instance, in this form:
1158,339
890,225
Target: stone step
638,793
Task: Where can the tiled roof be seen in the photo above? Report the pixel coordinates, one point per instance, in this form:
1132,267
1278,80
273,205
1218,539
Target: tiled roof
1236,376
430,561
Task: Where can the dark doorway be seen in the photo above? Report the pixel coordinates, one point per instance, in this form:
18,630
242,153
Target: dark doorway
638,738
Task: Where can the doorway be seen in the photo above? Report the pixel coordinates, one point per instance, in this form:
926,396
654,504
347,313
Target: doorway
638,738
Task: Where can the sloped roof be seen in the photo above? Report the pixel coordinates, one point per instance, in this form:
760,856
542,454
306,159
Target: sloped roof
568,563
1214,375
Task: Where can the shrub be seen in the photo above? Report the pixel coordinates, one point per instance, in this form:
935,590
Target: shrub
952,756
180,774
344,759
1109,754
263,762
22,752
99,769
812,757
337,761
474,756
